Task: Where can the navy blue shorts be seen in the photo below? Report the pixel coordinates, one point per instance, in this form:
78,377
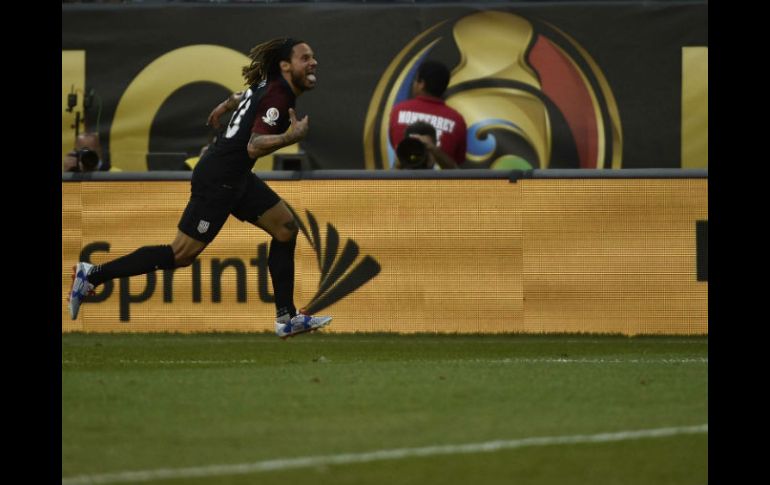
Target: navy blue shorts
212,203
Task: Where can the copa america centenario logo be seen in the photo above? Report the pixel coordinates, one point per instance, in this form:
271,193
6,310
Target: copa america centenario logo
531,96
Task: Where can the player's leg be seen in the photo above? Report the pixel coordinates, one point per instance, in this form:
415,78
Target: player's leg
262,207
181,252
88,276
279,223
204,216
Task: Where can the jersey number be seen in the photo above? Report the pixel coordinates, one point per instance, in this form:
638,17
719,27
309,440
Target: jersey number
235,121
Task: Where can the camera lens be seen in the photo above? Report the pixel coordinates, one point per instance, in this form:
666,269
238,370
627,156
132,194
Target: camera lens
412,153
89,159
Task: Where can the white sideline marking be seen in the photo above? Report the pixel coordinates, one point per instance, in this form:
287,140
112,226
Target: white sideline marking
379,455
559,360
565,360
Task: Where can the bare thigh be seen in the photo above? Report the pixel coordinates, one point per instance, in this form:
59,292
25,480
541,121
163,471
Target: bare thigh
186,249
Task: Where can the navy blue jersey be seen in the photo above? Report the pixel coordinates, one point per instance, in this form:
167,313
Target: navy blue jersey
264,109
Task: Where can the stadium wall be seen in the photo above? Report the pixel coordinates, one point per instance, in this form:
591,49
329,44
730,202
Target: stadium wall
583,84
475,251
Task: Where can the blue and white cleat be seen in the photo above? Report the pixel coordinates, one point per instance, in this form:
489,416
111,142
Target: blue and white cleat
81,288
301,323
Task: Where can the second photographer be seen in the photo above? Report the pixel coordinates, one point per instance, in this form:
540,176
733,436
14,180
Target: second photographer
86,157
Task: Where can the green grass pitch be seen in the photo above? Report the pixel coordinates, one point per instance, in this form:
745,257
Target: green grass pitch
142,403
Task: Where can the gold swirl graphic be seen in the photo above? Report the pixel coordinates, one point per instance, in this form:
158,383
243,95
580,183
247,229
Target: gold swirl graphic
499,54
523,109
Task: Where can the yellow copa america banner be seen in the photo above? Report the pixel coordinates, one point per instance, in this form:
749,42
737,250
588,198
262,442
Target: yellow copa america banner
466,256
541,85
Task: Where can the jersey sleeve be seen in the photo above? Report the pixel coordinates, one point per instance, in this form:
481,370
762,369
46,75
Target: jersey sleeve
272,114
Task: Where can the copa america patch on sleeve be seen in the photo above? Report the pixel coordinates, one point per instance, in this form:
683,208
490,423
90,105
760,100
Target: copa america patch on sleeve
271,116
203,226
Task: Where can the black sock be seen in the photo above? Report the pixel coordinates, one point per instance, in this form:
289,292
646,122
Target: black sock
144,260
281,265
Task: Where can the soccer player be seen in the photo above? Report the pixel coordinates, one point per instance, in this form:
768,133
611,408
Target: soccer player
222,183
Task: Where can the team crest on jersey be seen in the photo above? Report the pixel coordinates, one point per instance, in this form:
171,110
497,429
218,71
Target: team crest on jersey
203,226
271,116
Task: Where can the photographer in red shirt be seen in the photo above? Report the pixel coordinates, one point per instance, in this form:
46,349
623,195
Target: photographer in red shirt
427,105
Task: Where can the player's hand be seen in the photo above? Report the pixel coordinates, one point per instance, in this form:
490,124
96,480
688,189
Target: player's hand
298,128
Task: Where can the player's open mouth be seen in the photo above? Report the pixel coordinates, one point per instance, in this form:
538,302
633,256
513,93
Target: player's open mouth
311,77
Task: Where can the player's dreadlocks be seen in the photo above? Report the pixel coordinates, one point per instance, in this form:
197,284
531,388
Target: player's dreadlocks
266,58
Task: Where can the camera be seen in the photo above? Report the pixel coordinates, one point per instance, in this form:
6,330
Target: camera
412,154
88,160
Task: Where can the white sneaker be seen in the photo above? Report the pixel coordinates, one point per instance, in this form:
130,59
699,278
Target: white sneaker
81,288
301,323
